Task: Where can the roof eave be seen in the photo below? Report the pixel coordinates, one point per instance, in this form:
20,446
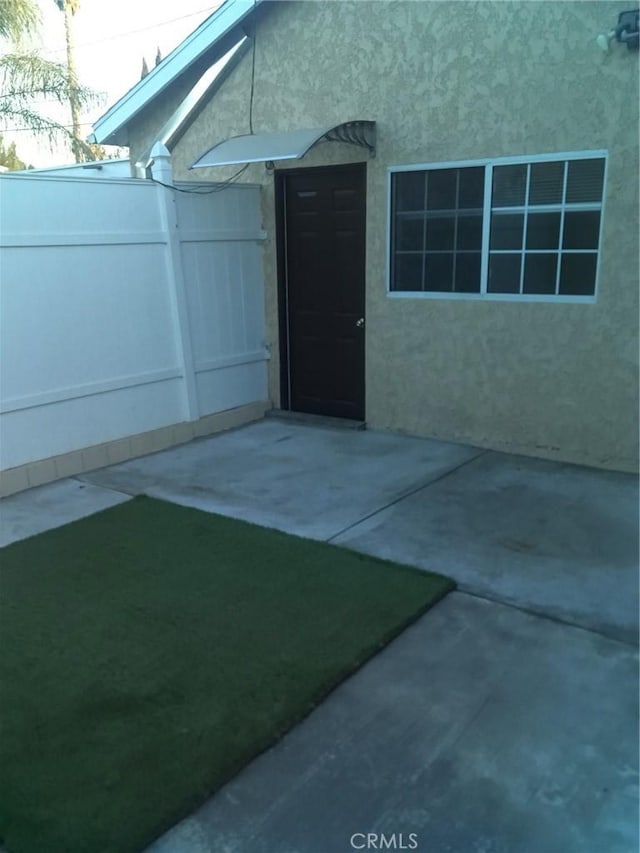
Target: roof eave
112,128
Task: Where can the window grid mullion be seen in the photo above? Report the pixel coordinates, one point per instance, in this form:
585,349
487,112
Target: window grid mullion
560,237
424,232
393,227
524,228
539,251
486,229
488,214
576,206
455,232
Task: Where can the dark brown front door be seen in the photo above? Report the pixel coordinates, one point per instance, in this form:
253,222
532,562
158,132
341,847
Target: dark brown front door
322,253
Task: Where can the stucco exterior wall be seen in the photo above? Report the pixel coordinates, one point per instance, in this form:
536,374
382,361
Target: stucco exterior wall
445,82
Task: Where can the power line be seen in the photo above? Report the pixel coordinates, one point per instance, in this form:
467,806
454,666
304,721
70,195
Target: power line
111,38
253,77
32,130
222,185
134,32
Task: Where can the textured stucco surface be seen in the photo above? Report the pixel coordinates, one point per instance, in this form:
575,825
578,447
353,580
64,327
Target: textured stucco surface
454,81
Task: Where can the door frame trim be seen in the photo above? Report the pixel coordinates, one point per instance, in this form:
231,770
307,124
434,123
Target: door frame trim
280,180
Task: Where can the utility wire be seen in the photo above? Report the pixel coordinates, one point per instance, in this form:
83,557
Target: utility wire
31,130
134,32
111,38
253,77
222,185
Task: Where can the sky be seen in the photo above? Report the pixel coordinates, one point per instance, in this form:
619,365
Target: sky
111,38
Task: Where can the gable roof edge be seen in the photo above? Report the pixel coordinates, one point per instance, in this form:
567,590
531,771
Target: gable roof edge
111,128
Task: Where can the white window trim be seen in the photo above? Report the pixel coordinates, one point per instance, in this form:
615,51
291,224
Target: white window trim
486,225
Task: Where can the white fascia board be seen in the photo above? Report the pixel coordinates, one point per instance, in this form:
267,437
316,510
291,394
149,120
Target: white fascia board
111,127
93,164
204,86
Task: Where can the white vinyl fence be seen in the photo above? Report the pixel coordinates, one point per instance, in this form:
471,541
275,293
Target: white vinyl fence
125,307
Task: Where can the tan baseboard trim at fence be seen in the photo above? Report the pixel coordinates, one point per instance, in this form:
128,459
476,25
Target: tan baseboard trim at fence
43,471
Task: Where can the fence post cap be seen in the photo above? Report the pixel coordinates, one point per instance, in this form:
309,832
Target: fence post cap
161,169
160,150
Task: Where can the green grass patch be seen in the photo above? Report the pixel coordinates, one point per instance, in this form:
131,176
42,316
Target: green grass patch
149,651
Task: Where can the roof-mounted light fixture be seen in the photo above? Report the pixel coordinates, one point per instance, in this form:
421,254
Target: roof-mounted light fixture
626,32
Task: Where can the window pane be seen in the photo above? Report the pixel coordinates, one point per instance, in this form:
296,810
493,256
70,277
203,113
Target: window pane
438,224
543,230
506,230
409,190
546,183
469,232
408,272
504,274
509,185
439,272
468,273
585,181
471,189
441,189
581,230
540,273
578,274
409,232
440,233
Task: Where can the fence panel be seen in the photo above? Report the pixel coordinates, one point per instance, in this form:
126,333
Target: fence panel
222,264
89,344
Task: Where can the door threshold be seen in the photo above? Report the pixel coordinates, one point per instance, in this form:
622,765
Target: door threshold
315,420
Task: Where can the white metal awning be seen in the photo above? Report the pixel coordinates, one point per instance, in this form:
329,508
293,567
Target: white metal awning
286,144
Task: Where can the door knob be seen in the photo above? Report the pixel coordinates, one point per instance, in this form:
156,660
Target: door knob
360,323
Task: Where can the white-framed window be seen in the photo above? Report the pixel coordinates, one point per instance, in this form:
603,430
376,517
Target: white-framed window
519,228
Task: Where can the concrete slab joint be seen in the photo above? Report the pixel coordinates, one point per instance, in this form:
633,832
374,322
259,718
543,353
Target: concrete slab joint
490,724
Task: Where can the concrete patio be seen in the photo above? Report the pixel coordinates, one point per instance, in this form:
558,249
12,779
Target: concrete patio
504,720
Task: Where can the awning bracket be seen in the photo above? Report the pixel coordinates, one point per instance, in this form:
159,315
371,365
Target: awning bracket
361,133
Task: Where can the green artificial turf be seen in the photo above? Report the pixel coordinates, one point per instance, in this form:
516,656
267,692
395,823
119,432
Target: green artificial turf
149,651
